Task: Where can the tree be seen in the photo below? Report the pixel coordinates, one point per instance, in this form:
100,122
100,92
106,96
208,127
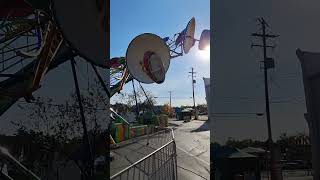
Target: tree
202,108
128,99
166,109
63,120
295,146
231,142
58,128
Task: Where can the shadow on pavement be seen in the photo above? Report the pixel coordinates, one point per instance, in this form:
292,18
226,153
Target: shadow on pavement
203,127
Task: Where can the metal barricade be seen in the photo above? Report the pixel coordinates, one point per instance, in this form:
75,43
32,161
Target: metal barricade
159,165
160,138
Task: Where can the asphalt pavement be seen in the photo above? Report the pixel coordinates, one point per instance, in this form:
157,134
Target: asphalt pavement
193,150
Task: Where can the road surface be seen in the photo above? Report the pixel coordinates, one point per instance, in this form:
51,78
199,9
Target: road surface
193,149
193,153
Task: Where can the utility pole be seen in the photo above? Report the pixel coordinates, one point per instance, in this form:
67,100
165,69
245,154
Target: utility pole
268,63
170,98
193,82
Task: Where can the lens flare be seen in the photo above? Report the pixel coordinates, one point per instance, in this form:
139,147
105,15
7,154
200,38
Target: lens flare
205,54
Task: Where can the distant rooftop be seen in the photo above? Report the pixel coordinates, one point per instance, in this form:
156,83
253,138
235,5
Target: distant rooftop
253,150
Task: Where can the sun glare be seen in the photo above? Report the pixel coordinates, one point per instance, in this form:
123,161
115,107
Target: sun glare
205,54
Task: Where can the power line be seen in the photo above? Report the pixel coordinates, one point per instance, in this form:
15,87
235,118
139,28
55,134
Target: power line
172,97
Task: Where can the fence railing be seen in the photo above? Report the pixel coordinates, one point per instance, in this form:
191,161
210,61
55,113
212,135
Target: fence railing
160,138
159,165
7,159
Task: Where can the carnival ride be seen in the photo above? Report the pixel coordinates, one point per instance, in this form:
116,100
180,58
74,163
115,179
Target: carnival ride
148,56
36,36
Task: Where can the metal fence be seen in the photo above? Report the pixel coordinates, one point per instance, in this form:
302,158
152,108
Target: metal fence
160,138
159,165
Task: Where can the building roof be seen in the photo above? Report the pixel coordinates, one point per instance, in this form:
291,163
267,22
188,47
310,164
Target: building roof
230,153
253,150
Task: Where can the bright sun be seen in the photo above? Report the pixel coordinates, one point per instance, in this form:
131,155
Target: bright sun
205,54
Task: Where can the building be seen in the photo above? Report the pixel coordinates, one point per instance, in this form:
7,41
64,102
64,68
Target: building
207,89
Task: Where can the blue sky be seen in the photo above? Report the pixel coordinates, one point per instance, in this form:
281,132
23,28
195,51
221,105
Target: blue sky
129,19
238,79
164,18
